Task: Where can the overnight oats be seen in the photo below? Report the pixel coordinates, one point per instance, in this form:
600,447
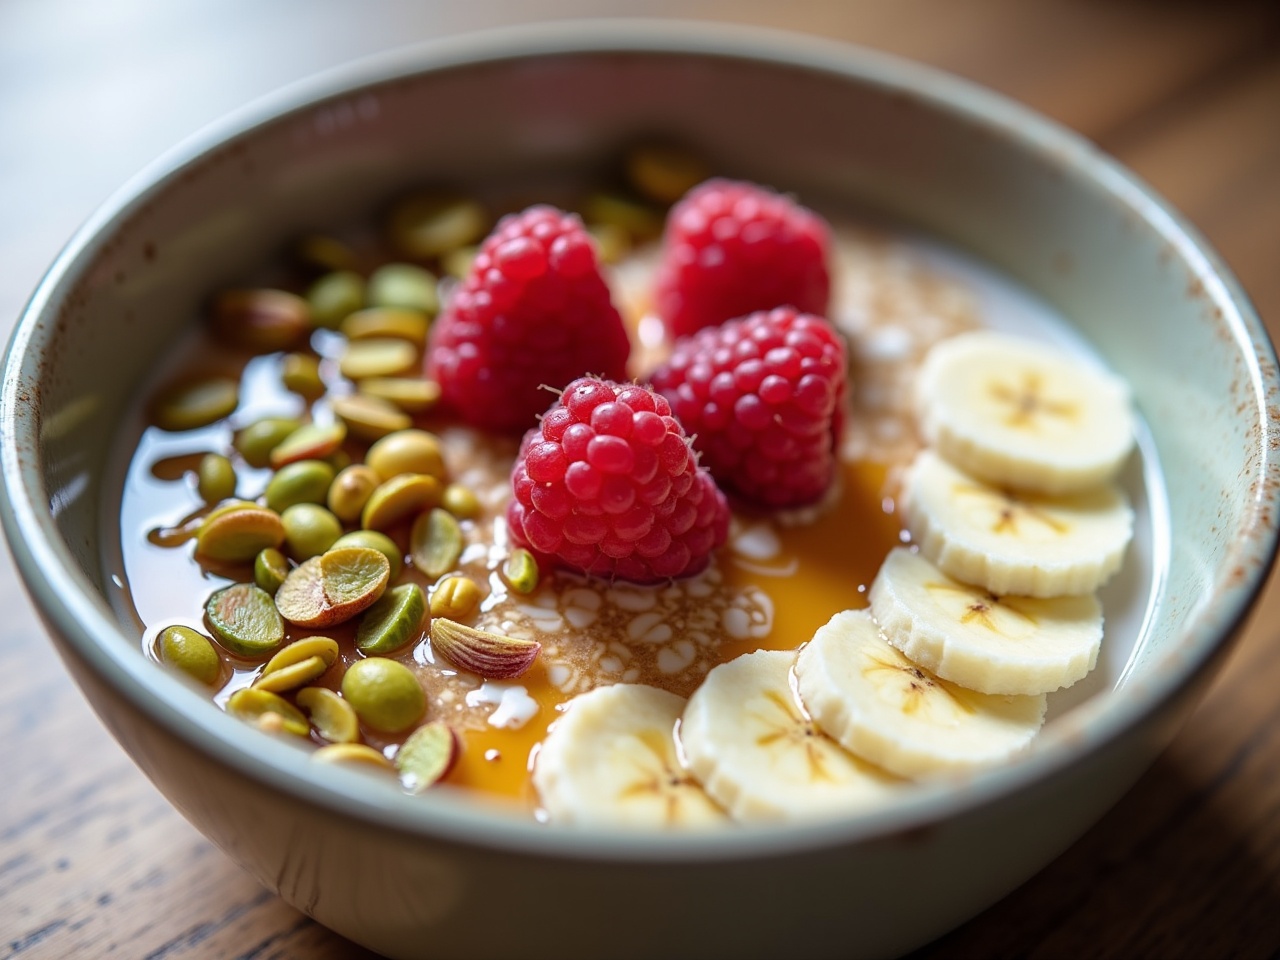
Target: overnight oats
683,509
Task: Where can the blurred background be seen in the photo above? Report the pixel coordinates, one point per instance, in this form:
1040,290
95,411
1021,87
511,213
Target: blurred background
94,861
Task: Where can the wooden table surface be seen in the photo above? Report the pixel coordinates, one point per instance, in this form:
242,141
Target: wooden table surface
94,862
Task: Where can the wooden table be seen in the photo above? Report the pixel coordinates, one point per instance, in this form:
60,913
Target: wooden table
93,861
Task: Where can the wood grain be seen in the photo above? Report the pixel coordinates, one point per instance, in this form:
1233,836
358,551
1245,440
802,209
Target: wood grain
93,862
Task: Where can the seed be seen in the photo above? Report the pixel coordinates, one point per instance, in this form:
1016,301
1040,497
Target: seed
333,587
238,532
269,570
332,716
664,173
639,220
404,285
410,394
461,502
427,225
324,648
267,711
393,621
612,242
300,372
292,676
455,598
457,263
216,478
375,322
374,541
350,491
491,655
398,499
368,417
256,441
244,619
351,753
190,652
334,296
322,254
309,442
261,321
427,756
435,543
384,694
309,530
377,357
521,571
407,451
303,481
189,406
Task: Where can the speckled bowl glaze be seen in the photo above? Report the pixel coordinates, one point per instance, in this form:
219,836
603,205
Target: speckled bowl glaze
441,875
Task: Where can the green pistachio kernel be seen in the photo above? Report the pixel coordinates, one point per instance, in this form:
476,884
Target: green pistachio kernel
406,286
334,296
244,619
426,225
300,372
350,491
398,499
378,357
236,533
351,753
332,716
374,322
435,543
410,394
268,712
188,406
297,664
269,570
384,694
215,478
393,621
457,263
309,530
407,451
521,571
639,220
461,502
455,598
260,321
368,417
256,441
312,441
303,481
333,587
374,540
427,756
189,651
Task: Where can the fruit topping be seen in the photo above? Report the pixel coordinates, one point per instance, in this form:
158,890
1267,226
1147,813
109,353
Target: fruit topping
532,310
731,248
608,485
763,397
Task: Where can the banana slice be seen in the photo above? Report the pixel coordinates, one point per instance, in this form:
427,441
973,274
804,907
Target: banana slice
988,643
881,706
1016,543
1021,414
758,755
612,760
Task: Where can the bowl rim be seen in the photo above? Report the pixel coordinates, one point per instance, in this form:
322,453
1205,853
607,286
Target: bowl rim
73,609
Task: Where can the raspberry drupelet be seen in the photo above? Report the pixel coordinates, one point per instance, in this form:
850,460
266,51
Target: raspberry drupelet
533,310
608,485
763,398
731,248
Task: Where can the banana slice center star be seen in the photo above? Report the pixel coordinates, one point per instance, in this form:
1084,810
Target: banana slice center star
1006,513
913,691
1026,402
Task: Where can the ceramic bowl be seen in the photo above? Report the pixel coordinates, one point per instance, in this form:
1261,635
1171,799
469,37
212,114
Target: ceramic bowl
442,876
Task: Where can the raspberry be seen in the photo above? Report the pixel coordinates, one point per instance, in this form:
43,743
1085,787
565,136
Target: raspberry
763,396
731,248
534,310
608,485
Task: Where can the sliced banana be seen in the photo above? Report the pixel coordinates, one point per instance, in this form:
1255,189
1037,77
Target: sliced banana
882,707
978,639
611,760
1009,542
1019,413
756,752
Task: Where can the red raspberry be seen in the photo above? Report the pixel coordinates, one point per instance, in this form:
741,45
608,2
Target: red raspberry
763,398
731,248
534,310
609,486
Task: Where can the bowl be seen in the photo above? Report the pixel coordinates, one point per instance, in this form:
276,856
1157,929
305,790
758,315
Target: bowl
443,875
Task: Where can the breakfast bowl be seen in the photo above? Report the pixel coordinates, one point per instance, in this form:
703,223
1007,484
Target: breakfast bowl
1082,255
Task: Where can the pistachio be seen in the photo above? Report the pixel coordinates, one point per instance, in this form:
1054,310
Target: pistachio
292,676
333,587
199,403
427,756
256,441
398,499
435,543
309,530
639,220
612,242
384,694
244,619
319,253
375,541
189,651
460,501
312,441
300,372
664,173
491,655
393,621
377,357
303,481
332,716
350,491
375,322
237,532
410,394
262,321
215,478
351,753
368,417
457,263
404,285
521,571
309,648
407,451
267,711
455,598
426,225
269,570
334,296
